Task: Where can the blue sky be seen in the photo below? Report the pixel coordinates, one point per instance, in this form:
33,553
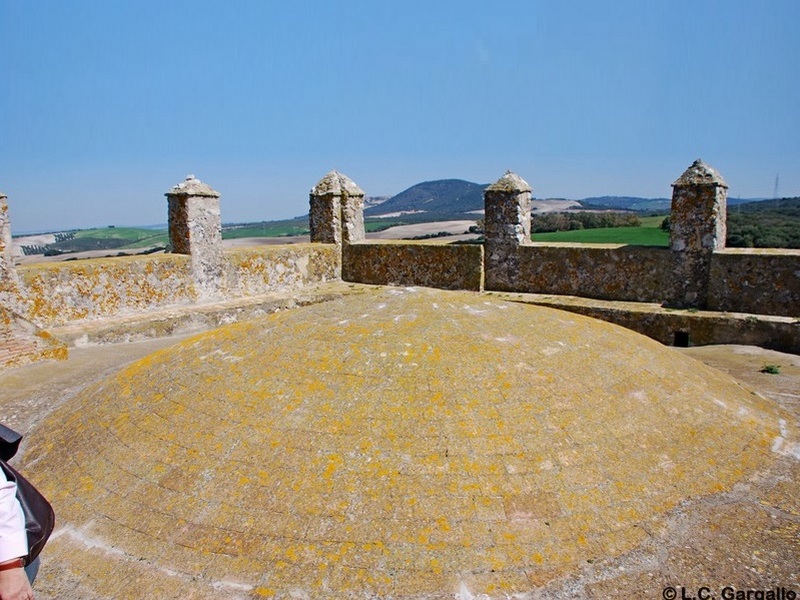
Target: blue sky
106,104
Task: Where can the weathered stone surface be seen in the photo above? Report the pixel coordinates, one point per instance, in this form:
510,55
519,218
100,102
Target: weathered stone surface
697,229
510,182
507,225
337,184
406,444
192,186
611,272
8,275
755,280
60,293
449,267
336,212
699,173
195,228
266,269
21,341
668,326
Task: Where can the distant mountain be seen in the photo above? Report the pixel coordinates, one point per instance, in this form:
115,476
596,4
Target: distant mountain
452,198
440,196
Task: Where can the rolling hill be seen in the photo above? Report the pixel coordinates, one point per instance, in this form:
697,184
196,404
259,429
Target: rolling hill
441,196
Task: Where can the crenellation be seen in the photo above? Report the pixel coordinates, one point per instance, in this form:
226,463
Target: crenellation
336,211
507,226
6,258
697,230
9,279
195,228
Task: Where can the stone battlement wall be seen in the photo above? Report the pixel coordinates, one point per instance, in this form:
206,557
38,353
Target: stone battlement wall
755,280
629,273
55,294
443,266
695,273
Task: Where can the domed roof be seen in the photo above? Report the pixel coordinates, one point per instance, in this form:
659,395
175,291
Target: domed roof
404,443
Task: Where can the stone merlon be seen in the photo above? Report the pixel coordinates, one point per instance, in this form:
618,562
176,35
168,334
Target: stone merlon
699,173
192,186
510,182
337,184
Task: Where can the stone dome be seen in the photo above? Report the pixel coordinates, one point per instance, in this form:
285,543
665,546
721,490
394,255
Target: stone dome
406,443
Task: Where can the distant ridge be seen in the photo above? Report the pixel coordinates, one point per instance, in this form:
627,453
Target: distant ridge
440,196
456,197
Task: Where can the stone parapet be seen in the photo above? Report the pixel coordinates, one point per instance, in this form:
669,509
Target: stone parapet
59,293
680,327
604,271
755,280
443,266
56,294
265,269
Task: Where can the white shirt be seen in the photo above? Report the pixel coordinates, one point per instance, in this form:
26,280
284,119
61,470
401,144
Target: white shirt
13,537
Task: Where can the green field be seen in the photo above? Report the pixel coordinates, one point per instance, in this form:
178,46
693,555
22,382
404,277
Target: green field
648,234
132,238
114,237
266,229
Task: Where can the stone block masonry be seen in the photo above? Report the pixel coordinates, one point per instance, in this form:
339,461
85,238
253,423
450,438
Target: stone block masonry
697,230
195,228
336,212
507,219
442,266
56,294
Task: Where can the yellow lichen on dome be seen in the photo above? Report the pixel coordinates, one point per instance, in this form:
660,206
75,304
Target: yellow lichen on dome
406,443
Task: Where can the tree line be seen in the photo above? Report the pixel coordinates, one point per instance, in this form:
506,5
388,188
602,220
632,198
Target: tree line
569,221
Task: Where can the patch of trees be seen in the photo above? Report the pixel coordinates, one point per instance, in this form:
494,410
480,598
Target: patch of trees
763,230
31,249
65,236
764,224
429,236
568,221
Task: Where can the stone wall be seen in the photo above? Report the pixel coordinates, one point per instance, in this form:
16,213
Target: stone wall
54,294
698,328
618,272
62,292
265,269
752,280
755,280
443,266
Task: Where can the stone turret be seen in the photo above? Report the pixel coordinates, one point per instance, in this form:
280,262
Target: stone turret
8,274
336,213
697,229
195,228
507,226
